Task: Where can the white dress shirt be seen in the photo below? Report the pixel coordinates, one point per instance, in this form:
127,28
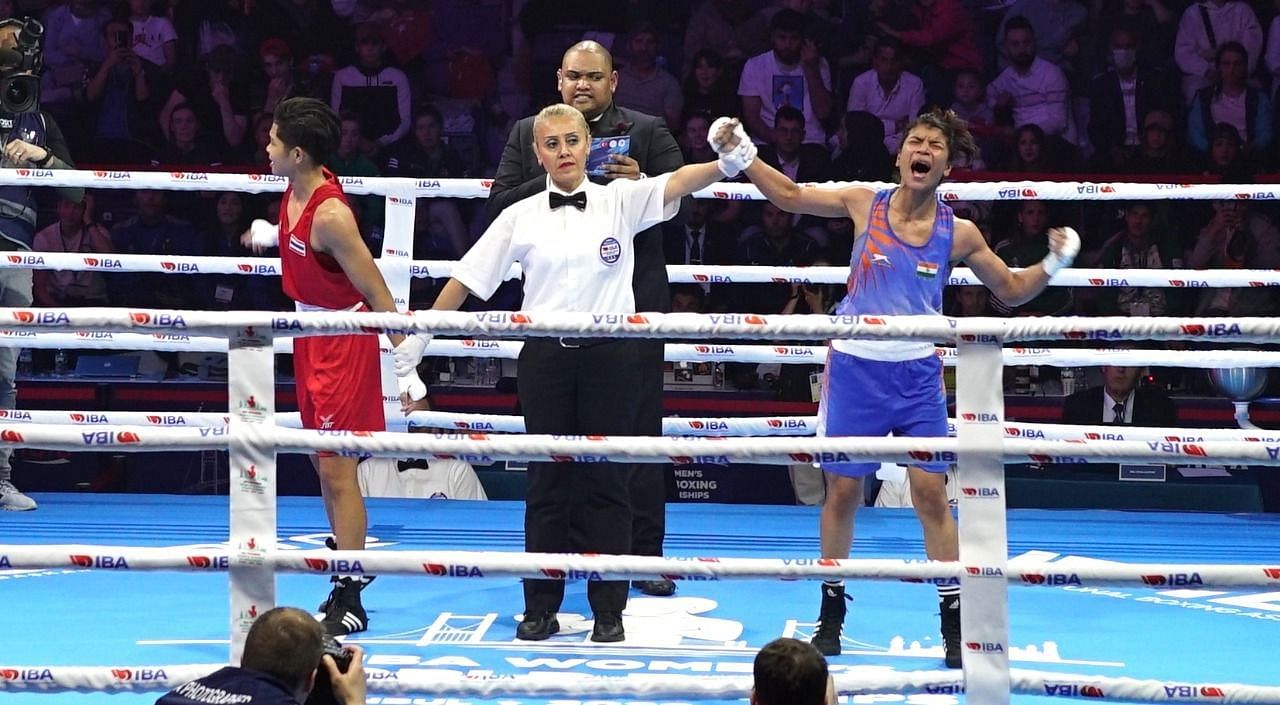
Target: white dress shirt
1109,407
573,261
441,479
1041,96
895,109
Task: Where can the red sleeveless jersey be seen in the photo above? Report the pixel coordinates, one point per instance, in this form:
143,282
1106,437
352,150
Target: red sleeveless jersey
311,277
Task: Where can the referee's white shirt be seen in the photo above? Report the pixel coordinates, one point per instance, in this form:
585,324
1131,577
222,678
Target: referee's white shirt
573,261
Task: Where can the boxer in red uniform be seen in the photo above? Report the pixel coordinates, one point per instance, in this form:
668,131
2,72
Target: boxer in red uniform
326,267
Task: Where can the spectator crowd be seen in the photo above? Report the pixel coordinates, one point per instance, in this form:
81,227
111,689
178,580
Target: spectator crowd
1164,90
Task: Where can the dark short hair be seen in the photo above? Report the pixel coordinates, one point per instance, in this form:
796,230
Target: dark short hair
428,109
789,112
1018,22
888,43
953,128
1227,131
790,672
1232,46
689,290
787,21
310,125
285,643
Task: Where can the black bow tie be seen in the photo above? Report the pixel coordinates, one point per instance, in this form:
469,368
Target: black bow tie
577,200
412,463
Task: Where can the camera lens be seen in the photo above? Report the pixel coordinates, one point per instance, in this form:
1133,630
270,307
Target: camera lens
16,93
19,94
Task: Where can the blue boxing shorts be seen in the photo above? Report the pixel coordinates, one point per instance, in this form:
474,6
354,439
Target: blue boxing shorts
862,397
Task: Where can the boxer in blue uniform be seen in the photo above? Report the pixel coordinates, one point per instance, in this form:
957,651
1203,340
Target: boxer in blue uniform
901,259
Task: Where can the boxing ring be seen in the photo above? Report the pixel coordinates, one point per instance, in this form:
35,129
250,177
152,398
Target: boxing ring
258,543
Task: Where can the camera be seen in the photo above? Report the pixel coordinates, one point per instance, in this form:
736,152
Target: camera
322,693
20,77
120,39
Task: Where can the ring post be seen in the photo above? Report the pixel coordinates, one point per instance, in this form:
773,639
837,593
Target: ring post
984,614
252,464
395,262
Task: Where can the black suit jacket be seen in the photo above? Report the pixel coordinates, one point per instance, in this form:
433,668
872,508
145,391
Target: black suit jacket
652,146
1151,407
1106,105
719,244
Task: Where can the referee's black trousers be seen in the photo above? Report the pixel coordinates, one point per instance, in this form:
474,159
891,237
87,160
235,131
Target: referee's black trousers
586,390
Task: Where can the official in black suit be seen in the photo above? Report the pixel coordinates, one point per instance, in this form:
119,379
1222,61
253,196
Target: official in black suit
586,80
1115,133
1120,401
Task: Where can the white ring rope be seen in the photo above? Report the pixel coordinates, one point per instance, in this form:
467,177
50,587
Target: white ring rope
655,325
672,426
479,188
559,566
673,352
689,274
482,448
441,682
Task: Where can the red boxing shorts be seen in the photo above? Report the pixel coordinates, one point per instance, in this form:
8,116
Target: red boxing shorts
339,383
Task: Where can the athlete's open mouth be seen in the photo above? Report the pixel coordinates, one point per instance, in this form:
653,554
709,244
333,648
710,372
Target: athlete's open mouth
920,166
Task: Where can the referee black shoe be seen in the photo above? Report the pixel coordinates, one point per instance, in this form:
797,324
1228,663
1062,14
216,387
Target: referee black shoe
608,627
537,626
655,588
345,614
949,611
826,638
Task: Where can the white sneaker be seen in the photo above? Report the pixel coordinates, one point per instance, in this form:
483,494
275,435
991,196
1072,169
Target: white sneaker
12,500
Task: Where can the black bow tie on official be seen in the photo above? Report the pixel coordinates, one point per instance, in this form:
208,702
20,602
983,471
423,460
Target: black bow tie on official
577,200
412,463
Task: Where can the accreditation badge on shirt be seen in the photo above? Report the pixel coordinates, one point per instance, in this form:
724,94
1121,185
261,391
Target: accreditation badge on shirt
610,250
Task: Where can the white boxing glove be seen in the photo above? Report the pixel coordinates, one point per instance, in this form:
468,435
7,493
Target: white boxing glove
1057,260
743,155
716,130
408,353
264,234
412,385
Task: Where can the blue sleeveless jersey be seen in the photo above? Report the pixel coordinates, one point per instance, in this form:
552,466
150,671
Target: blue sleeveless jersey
878,387
890,277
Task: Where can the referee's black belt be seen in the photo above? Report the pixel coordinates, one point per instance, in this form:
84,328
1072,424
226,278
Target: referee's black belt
578,343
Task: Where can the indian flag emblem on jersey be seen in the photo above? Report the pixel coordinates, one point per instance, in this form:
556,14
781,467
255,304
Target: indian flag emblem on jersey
927,270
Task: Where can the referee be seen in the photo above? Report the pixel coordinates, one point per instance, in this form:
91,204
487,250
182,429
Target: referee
575,244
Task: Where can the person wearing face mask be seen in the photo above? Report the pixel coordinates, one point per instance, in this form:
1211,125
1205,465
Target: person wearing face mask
1121,97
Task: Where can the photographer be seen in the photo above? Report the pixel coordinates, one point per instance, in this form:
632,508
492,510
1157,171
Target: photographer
30,139
282,656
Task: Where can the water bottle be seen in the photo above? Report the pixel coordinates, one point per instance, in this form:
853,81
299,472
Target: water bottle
492,372
1021,380
1068,376
60,362
24,362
